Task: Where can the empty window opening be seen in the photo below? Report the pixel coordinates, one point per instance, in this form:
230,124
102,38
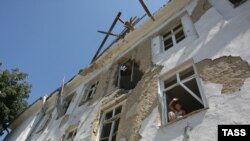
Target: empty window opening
174,36
183,94
110,124
237,2
63,105
66,102
92,91
45,122
69,136
89,92
128,75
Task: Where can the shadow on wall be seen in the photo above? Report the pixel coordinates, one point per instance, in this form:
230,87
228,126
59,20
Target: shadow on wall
177,129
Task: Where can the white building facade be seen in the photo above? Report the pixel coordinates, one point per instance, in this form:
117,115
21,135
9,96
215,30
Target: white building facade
195,50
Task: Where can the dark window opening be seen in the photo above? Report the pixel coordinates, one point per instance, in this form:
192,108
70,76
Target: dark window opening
129,75
237,2
63,104
69,136
45,122
67,102
92,90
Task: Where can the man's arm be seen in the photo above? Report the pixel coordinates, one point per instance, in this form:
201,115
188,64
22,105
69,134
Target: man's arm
170,105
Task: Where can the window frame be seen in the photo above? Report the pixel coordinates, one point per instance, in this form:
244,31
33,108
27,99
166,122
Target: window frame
172,35
113,119
163,98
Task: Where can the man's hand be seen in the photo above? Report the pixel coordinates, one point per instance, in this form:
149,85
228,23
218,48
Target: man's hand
175,99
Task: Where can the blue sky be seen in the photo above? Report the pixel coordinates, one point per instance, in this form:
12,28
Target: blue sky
50,39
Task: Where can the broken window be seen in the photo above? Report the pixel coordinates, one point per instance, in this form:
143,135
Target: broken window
89,93
128,75
182,93
173,36
67,101
45,122
110,124
237,2
69,136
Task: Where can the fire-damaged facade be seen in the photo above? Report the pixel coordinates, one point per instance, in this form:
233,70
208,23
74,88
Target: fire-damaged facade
173,78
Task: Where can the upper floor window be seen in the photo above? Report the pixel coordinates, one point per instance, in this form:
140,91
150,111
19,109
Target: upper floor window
173,36
237,2
182,94
69,136
110,124
67,101
63,104
90,92
128,75
45,121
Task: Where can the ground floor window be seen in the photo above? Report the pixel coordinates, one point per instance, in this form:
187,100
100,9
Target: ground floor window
182,93
110,124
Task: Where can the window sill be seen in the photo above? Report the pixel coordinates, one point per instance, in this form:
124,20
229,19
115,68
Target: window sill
186,116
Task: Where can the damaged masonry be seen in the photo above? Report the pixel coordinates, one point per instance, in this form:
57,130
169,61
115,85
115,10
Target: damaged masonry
176,77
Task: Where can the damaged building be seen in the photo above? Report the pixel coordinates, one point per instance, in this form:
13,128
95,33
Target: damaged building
196,51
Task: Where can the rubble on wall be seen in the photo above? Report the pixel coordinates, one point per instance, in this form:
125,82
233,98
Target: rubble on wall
143,99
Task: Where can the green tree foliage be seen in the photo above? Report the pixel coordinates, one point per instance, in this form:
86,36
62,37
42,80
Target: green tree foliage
14,91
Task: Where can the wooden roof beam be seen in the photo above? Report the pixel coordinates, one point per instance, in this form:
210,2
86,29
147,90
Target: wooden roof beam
106,37
146,9
112,34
